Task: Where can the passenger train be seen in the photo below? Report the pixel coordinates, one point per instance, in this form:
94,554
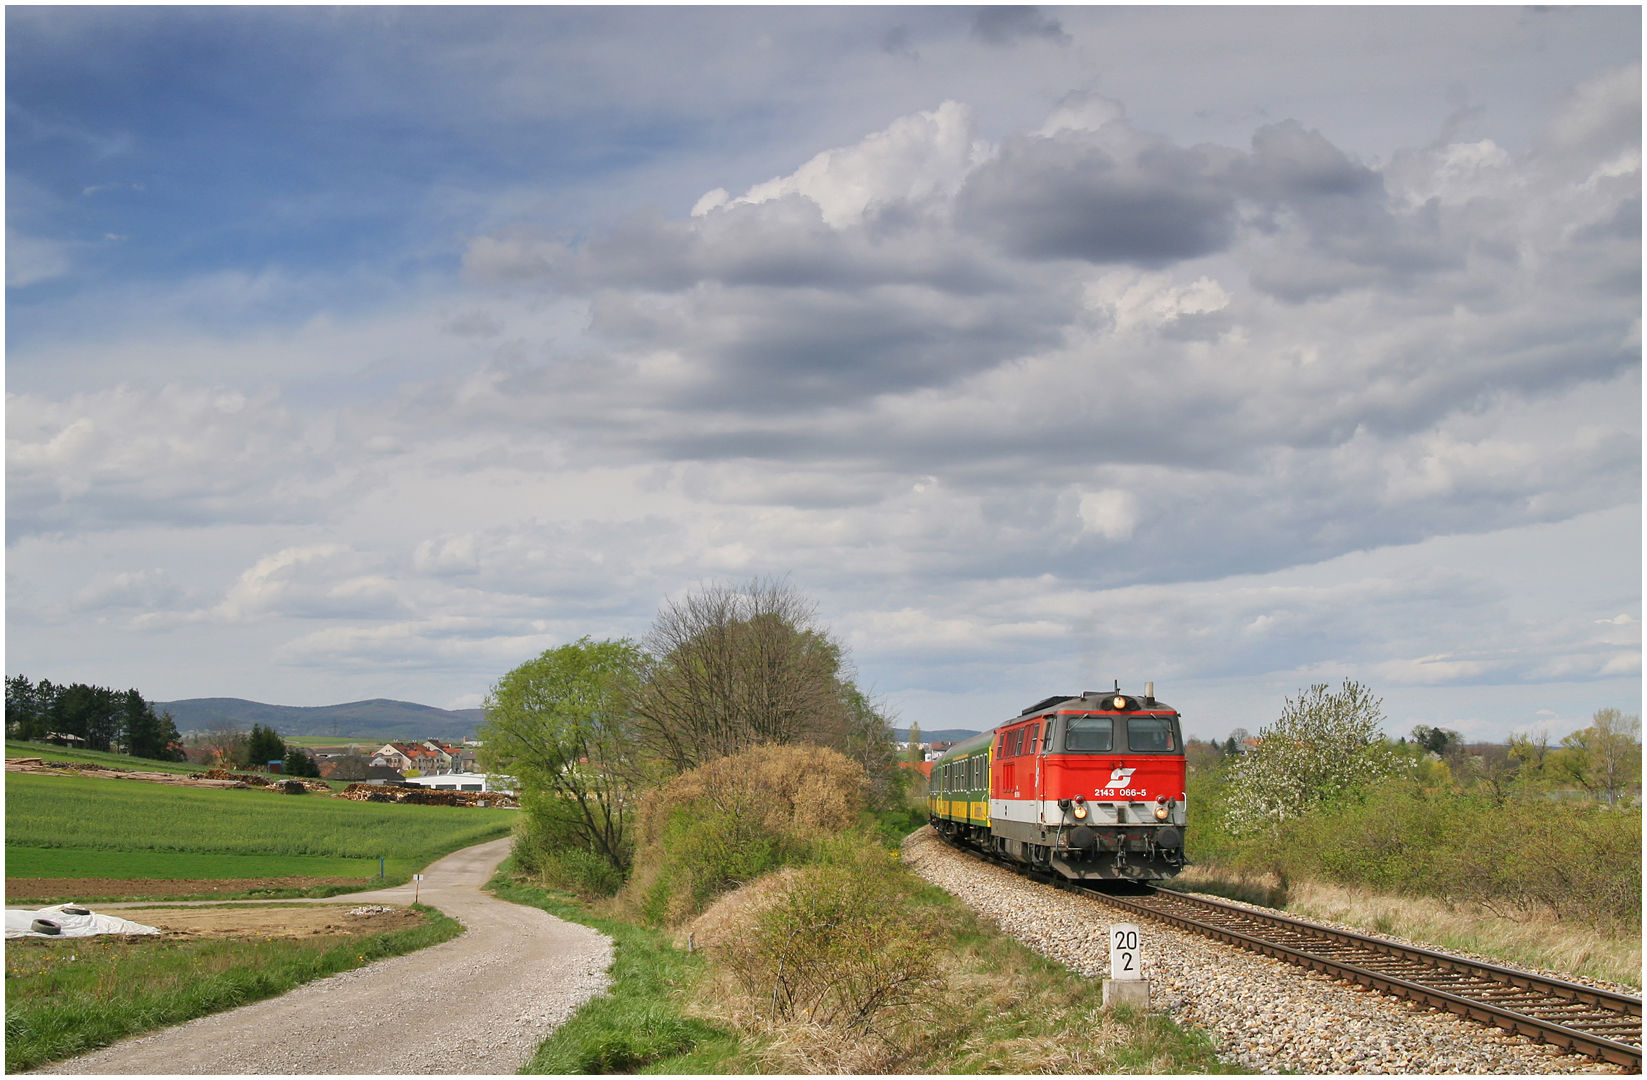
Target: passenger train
1086,787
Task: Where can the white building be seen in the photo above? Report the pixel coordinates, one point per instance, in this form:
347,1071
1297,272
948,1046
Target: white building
465,782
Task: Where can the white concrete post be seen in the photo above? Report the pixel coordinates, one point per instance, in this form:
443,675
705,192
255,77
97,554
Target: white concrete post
1126,984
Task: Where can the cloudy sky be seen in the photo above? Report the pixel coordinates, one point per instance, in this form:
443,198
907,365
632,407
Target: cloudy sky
369,352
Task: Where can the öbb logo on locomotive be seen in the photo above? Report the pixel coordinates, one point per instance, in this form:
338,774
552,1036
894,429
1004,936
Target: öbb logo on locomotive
1019,791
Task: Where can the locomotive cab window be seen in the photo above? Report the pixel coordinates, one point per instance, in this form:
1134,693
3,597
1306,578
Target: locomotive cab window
1089,734
1150,735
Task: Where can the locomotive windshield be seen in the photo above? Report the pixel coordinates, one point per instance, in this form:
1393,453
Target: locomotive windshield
1149,735
1089,734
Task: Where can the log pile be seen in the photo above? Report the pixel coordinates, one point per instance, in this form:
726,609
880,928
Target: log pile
426,796
211,778
279,783
40,766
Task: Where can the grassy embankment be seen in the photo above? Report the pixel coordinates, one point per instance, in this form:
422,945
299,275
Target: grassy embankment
67,827
1524,879
816,950
1010,1011
69,997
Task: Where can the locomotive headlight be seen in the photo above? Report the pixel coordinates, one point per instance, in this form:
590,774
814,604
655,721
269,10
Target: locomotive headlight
1081,812
1120,703
1161,813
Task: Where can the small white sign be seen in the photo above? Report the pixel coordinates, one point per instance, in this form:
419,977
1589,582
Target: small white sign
1126,954
417,877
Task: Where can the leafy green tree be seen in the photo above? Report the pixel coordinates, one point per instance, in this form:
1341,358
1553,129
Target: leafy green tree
263,746
1605,758
299,764
558,725
916,755
94,714
1324,744
147,734
19,706
1437,741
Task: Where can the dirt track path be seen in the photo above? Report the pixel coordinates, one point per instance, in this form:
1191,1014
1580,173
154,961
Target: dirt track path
477,1004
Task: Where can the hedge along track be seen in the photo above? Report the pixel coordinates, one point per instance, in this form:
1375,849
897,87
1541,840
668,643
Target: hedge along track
1584,1019
1590,1021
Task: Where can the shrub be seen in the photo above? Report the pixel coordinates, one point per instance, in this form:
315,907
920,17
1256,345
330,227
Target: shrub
831,946
733,819
550,849
1579,861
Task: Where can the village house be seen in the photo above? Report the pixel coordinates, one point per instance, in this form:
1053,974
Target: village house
429,757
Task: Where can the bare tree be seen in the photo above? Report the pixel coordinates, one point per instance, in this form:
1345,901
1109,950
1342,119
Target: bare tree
351,767
223,742
734,667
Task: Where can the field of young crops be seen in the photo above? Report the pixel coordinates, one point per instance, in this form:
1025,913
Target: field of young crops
62,812
31,862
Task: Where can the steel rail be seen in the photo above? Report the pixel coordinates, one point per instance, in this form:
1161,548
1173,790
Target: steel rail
1612,1030
1552,1015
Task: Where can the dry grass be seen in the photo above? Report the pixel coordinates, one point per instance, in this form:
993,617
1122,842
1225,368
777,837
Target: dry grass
1537,939
728,822
996,1007
729,916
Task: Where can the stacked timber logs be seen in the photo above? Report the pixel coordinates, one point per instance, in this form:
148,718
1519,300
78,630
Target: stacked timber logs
105,772
426,797
211,778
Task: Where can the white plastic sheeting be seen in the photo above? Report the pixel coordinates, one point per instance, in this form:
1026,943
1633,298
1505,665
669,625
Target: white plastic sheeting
70,920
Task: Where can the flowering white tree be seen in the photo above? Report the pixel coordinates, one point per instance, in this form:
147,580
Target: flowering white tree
1324,743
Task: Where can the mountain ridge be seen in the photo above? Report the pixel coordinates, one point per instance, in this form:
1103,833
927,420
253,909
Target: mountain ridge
374,718
371,719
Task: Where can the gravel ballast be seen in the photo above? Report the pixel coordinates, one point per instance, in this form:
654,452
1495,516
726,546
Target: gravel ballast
1262,1013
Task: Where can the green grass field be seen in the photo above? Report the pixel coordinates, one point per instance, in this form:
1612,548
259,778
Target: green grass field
338,742
144,828
29,862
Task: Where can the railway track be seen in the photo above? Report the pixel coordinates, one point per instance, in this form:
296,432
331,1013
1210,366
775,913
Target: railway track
1589,1021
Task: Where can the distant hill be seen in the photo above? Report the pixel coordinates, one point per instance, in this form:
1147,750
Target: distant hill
952,734
379,719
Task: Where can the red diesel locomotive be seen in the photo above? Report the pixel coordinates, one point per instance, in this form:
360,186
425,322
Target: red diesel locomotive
1087,787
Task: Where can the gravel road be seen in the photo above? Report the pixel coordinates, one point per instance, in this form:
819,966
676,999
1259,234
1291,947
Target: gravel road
1265,1014
479,1003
